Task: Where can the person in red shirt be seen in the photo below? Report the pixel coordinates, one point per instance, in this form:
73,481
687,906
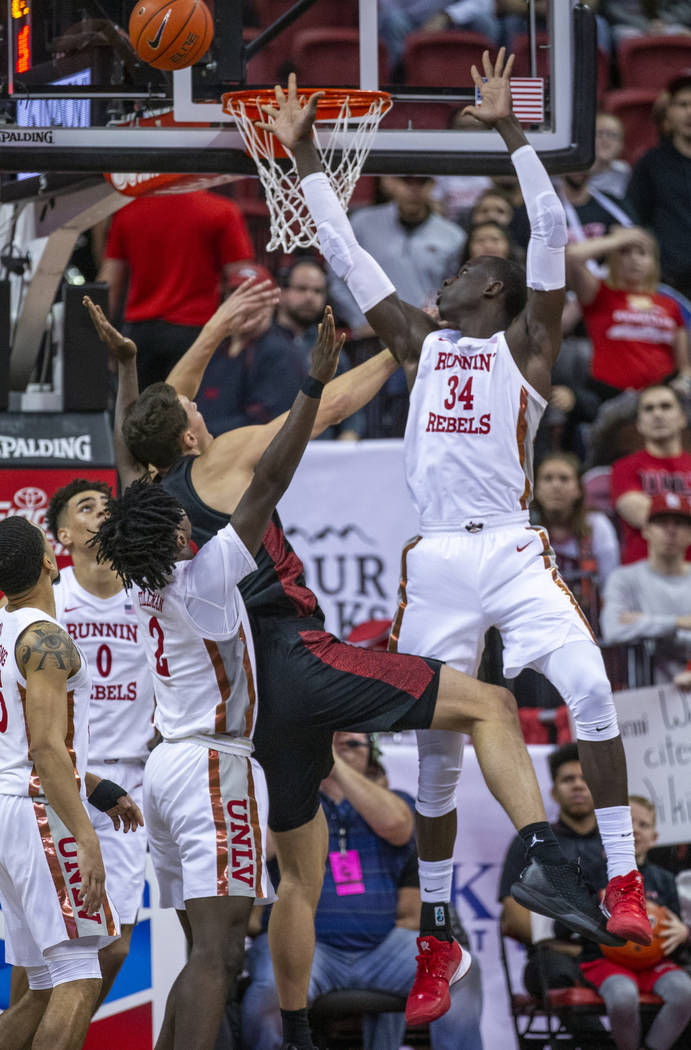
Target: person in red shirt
660,466
638,333
178,251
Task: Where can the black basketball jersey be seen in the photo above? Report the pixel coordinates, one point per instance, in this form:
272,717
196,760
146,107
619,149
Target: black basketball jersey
277,587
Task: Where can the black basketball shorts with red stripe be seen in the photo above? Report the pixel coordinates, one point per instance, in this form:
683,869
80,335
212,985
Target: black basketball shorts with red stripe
309,686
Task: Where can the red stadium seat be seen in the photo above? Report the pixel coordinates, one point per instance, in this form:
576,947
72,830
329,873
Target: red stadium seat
442,59
274,61
322,13
651,61
331,57
521,49
634,107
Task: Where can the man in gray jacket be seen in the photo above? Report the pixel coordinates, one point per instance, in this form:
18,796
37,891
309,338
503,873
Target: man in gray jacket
652,598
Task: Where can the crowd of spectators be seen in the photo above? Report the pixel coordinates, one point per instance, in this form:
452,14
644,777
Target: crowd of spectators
624,370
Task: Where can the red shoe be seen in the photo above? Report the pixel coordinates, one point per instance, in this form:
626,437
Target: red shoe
624,906
439,965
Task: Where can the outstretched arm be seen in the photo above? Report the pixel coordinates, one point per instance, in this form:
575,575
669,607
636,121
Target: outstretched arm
233,456
401,326
276,467
233,315
537,329
125,353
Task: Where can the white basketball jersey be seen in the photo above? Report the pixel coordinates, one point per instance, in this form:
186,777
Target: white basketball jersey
18,774
470,431
199,646
122,692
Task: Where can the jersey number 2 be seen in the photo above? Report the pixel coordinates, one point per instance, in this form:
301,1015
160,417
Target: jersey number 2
156,631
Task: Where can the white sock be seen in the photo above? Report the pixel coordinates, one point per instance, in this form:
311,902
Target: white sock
616,832
435,880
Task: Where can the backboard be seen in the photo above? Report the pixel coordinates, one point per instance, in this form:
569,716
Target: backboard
74,96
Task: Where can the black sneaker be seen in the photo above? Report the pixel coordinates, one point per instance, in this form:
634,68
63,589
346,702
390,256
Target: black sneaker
560,892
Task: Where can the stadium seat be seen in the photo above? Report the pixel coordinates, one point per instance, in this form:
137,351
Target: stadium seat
651,61
634,107
264,67
546,1022
331,57
442,59
521,49
336,1018
323,13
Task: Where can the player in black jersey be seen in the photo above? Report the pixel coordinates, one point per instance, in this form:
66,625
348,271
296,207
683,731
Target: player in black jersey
310,684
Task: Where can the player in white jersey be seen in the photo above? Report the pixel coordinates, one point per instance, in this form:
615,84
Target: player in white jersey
98,614
205,796
52,879
483,380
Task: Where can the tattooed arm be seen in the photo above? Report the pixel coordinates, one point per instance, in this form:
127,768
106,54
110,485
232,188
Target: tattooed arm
47,657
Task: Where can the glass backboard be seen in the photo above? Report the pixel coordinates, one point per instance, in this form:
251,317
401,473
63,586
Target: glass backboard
75,96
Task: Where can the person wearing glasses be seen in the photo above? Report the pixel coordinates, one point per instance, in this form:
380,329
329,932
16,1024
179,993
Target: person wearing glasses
366,919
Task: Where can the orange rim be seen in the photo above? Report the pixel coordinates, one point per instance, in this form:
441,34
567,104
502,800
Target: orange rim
328,107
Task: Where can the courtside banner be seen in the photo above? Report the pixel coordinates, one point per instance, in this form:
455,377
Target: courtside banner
655,725
348,514
53,439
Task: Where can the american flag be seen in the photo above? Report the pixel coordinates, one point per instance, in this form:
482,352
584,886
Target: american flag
528,96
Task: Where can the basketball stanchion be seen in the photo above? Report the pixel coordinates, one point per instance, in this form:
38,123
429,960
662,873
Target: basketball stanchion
346,123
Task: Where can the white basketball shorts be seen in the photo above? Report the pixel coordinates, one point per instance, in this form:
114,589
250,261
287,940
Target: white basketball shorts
205,813
40,882
456,585
124,855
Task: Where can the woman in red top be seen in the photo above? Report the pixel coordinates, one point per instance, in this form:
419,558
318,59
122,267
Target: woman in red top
638,333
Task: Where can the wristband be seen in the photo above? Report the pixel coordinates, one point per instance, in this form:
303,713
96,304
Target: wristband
105,795
312,387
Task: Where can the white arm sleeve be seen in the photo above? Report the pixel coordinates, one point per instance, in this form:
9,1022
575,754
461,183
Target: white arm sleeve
212,599
545,264
364,276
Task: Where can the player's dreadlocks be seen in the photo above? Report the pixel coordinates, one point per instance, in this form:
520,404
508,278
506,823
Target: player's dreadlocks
139,536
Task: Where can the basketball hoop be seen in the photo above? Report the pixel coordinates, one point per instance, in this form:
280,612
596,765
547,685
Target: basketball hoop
341,110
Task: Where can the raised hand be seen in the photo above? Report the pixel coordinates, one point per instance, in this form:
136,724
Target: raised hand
120,346
243,305
326,349
291,119
495,89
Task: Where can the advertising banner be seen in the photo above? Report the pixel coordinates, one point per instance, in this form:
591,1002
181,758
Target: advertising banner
348,514
655,726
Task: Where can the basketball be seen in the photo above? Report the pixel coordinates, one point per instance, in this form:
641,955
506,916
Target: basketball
638,956
173,35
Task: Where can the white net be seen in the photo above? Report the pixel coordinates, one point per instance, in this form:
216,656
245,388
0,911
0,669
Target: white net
343,157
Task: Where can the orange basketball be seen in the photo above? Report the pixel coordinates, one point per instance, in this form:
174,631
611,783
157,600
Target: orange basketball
638,956
173,35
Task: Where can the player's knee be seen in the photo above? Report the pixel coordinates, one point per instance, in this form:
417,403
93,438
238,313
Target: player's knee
224,958
439,769
593,710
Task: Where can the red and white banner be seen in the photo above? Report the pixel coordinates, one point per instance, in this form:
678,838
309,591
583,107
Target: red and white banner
528,97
